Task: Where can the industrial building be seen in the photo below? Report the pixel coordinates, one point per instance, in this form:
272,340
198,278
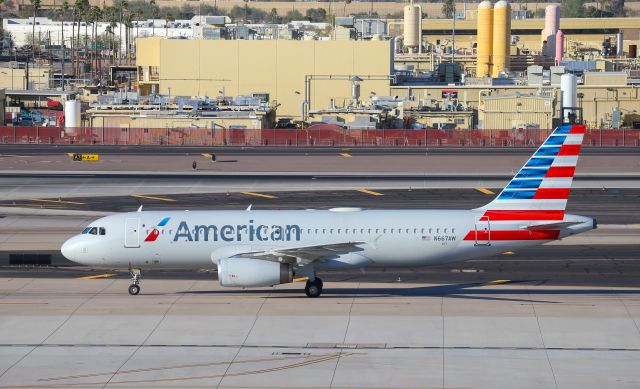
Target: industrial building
297,76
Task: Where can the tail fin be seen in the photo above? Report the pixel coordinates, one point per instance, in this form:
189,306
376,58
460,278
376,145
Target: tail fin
540,189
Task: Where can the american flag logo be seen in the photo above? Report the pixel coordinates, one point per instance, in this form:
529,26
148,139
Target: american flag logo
425,237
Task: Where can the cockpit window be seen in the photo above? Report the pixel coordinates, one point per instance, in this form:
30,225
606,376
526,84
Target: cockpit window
93,231
86,230
102,231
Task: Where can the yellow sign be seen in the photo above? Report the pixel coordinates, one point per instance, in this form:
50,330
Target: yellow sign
86,157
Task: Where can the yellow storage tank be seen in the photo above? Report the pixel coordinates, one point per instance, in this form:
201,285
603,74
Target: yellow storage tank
413,27
501,37
485,39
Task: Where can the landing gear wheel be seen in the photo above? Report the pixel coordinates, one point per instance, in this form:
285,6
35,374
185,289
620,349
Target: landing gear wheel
313,289
136,274
134,289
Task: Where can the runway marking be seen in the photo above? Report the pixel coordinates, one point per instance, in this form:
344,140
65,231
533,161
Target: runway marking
300,279
143,370
485,191
497,282
367,191
96,276
310,360
266,196
508,253
346,155
58,201
153,198
15,155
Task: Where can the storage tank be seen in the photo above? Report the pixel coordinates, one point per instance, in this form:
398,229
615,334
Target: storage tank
501,38
485,39
559,47
551,27
72,114
568,87
413,27
619,44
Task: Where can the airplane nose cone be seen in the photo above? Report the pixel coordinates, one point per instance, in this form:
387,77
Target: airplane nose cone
69,249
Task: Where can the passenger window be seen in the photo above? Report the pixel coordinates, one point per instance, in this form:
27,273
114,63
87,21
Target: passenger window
93,231
324,230
86,230
453,230
102,231
362,230
429,230
437,230
407,230
445,230
377,230
339,230
392,230
316,230
422,231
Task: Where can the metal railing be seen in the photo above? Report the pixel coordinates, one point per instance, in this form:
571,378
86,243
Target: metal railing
507,138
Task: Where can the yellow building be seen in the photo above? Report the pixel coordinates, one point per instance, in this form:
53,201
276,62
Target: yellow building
289,71
13,77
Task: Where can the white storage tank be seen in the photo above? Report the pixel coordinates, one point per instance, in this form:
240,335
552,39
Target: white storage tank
569,88
72,114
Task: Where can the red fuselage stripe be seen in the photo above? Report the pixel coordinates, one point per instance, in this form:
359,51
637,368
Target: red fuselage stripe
524,215
513,235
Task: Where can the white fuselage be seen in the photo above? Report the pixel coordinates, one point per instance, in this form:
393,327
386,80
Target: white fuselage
199,239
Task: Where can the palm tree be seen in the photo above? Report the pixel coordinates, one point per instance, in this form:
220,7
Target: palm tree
154,12
35,6
63,10
95,14
1,26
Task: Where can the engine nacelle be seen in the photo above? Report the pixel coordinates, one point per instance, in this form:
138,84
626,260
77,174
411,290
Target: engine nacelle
253,272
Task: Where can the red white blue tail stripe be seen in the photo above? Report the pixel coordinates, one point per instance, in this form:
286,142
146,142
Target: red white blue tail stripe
541,188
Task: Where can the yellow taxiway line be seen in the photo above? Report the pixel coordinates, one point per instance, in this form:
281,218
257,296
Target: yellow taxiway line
346,155
153,198
367,191
508,253
485,191
300,279
266,196
96,276
58,201
497,282
206,155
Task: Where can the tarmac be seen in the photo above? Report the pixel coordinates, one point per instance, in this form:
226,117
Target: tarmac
187,333
564,315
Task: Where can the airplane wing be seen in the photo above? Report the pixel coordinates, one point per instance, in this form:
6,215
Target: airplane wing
304,254
550,226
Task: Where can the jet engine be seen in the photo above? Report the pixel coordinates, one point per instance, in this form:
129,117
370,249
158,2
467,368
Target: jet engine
253,272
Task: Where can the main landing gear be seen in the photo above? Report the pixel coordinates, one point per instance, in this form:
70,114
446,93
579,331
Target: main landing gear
134,288
313,288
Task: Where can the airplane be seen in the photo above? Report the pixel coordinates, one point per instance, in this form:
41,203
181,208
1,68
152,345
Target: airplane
254,248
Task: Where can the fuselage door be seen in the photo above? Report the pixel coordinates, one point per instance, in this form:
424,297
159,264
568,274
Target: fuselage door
132,232
483,231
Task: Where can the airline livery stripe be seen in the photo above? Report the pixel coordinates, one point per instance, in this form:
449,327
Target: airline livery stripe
539,162
517,194
552,193
524,184
498,215
578,129
531,173
554,182
562,130
567,160
561,171
574,139
569,150
555,140
513,235
550,151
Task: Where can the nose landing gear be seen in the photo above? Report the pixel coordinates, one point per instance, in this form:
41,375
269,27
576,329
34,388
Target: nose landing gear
134,288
